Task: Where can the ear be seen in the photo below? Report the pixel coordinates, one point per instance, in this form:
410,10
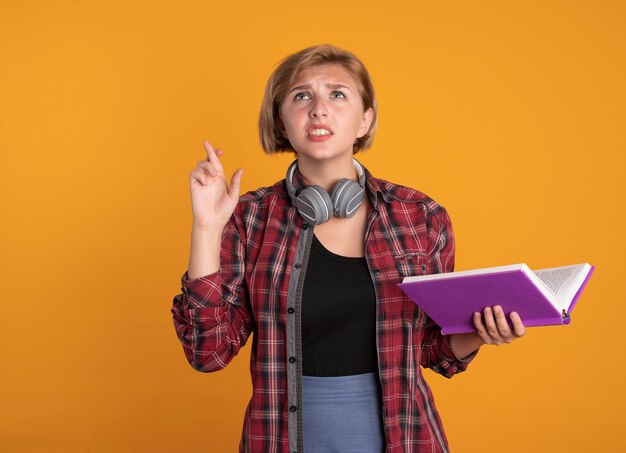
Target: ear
366,122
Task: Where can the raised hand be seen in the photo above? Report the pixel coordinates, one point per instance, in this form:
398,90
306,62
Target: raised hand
213,199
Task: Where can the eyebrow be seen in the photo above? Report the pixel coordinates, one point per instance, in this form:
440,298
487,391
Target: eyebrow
328,85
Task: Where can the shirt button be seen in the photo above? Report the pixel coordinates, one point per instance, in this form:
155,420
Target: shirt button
377,271
293,408
305,226
292,360
291,310
298,265
423,267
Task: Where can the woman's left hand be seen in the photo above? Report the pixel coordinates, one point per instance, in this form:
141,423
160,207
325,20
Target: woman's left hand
493,327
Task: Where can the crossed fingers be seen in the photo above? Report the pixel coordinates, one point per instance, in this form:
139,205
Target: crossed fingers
210,166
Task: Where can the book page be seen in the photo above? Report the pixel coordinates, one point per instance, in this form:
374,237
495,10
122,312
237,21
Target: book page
554,278
563,282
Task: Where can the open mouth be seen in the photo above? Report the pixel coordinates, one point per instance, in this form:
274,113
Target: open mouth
319,132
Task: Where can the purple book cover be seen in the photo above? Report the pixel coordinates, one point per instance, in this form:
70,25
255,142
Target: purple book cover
451,302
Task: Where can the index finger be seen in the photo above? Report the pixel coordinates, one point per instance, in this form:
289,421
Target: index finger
212,157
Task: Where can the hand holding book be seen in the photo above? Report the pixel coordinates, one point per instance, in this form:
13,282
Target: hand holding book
492,327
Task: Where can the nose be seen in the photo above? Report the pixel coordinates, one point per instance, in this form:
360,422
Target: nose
318,108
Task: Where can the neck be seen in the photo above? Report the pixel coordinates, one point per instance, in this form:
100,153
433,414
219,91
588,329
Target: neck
326,173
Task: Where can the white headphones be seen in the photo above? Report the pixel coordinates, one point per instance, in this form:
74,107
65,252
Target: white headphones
316,206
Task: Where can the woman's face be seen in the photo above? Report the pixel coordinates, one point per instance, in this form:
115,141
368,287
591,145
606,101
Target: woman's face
322,113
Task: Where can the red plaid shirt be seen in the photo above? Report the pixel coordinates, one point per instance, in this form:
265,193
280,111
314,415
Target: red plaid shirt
258,289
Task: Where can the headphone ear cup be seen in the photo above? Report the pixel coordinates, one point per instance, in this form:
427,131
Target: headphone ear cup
347,196
315,205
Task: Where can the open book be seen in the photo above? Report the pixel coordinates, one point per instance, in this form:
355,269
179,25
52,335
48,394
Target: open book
541,298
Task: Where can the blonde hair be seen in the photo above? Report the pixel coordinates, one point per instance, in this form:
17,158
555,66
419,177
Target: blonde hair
286,72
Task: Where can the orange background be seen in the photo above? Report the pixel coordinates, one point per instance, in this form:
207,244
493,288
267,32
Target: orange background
510,114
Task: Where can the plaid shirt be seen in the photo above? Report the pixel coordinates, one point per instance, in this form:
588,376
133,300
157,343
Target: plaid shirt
258,289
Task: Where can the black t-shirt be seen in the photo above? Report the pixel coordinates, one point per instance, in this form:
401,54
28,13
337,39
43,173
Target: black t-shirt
338,315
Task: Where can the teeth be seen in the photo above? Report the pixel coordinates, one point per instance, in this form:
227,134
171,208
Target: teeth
319,132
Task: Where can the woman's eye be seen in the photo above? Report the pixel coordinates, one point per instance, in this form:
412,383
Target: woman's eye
338,95
301,96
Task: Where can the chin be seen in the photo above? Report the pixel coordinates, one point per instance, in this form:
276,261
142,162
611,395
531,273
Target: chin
323,152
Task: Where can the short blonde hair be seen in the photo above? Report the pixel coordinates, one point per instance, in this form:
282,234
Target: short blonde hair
270,124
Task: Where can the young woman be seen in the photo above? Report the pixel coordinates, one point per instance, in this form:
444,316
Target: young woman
311,266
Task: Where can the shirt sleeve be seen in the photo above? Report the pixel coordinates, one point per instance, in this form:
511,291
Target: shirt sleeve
212,315
437,353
